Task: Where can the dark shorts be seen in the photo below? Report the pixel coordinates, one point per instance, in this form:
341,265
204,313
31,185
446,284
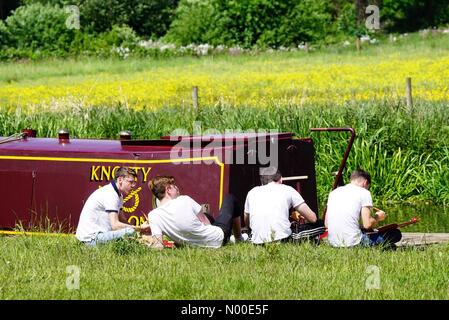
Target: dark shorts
307,231
230,209
387,238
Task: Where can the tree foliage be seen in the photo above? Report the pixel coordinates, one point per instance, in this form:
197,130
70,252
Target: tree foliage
39,25
147,17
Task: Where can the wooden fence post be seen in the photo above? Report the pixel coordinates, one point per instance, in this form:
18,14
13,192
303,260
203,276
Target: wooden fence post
195,97
358,44
408,93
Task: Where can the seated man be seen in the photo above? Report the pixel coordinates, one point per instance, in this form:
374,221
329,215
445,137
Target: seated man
267,207
346,205
99,219
178,217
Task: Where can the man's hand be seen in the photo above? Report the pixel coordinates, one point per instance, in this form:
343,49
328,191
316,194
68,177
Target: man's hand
306,213
145,225
144,228
297,217
380,215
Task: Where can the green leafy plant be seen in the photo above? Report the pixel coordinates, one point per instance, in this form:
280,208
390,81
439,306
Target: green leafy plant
39,27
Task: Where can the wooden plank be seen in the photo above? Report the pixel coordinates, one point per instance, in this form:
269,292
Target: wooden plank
408,93
295,178
195,97
417,238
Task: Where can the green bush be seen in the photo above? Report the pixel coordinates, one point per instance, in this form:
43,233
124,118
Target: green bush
49,2
308,21
39,30
3,35
252,22
87,44
10,54
192,23
412,15
105,44
347,20
123,36
147,17
245,22
100,15
152,18
39,27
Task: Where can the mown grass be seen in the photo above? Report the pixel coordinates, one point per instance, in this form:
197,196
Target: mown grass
413,45
406,152
36,268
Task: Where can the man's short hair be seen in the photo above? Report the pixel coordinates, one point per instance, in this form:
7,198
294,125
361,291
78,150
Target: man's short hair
159,184
269,174
360,173
125,172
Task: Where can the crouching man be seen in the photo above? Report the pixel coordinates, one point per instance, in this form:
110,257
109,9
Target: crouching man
267,209
348,205
99,219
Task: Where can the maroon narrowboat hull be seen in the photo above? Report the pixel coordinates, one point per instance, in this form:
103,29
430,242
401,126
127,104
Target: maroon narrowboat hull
47,180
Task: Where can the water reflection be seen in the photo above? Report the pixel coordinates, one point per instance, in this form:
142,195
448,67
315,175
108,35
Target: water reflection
433,218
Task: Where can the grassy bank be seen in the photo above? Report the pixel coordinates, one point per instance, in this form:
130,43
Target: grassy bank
259,79
36,268
406,47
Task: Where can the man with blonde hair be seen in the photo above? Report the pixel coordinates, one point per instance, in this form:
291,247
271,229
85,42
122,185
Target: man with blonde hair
179,217
99,219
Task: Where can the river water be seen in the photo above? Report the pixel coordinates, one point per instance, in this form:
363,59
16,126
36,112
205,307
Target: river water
433,218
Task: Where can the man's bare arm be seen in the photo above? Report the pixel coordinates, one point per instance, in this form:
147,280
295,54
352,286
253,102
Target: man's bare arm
369,222
306,212
246,219
116,224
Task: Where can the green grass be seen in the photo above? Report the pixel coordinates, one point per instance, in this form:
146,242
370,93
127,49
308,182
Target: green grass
36,268
407,154
74,69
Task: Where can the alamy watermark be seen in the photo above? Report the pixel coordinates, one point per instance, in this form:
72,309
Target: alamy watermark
373,279
73,20
72,281
372,22
229,147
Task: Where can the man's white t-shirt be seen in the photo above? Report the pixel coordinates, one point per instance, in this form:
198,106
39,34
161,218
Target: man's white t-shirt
268,208
94,217
343,214
178,220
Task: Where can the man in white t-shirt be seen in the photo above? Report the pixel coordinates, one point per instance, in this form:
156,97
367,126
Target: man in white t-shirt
182,219
267,208
346,206
99,219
